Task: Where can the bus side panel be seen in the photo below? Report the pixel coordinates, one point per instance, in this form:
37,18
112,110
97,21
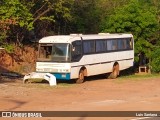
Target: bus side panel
103,63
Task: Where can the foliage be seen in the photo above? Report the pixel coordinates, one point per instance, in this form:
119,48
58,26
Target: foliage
88,14
22,21
138,19
155,56
15,10
8,47
13,13
85,16
51,16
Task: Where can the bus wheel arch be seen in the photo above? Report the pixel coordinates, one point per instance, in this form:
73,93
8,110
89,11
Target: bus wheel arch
115,71
81,75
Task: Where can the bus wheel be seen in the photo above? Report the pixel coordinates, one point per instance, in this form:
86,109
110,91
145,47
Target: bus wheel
115,72
80,77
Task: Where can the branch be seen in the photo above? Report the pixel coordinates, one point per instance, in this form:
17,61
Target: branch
43,13
39,9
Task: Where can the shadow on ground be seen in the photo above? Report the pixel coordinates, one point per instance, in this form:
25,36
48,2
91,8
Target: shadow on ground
9,76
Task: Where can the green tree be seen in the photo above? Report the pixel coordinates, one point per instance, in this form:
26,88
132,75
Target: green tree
138,19
155,56
51,16
20,20
85,16
13,13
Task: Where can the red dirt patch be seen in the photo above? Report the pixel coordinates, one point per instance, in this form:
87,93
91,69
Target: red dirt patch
94,95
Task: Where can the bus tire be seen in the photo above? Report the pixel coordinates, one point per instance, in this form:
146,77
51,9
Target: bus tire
80,77
115,72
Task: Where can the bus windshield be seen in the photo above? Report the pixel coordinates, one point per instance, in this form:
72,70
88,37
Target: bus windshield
56,52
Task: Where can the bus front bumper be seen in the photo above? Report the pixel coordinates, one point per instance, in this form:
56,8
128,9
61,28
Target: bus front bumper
62,76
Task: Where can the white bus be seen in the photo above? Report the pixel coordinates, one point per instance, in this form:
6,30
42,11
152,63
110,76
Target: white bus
76,56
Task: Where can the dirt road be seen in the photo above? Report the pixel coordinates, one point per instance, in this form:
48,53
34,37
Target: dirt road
96,94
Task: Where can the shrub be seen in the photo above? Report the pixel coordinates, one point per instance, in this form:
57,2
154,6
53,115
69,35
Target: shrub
155,60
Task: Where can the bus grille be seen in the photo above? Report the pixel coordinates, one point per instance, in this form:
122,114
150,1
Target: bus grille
50,70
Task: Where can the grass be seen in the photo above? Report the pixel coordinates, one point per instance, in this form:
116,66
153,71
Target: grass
47,86
43,84
40,83
137,77
141,76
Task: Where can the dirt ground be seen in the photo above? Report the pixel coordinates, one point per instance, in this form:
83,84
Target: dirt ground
96,94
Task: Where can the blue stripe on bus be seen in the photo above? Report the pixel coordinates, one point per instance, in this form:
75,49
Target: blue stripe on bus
62,76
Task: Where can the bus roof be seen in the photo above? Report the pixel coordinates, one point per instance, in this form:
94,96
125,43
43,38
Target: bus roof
72,37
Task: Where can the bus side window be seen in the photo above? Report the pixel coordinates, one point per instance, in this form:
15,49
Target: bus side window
101,45
114,44
120,44
109,45
124,44
89,46
128,45
76,50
